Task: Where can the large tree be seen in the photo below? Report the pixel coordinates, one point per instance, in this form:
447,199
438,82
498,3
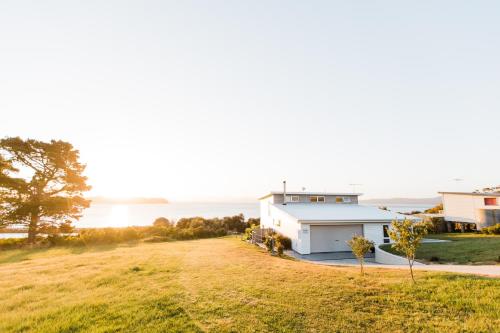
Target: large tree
41,184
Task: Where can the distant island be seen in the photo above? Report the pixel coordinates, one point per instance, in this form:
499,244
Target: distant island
128,201
404,201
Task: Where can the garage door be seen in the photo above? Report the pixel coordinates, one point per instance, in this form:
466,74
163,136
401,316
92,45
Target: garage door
333,238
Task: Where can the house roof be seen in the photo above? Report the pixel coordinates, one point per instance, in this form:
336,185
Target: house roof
482,194
339,212
310,193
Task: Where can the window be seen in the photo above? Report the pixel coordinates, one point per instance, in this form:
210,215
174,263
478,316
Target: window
294,198
317,199
339,200
386,233
490,201
347,199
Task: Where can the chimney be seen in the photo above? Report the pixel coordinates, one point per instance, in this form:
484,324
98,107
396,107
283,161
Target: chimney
284,192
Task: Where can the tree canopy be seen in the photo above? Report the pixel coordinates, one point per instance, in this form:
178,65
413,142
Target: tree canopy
41,184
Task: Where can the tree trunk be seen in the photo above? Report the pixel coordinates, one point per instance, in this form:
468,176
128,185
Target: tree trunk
411,270
361,262
33,227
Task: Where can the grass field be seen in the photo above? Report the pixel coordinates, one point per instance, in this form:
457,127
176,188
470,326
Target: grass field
226,285
464,248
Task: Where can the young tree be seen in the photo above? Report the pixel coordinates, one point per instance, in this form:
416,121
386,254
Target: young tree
407,236
360,247
41,184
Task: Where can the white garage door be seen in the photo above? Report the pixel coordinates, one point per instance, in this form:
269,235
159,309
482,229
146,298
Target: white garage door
333,238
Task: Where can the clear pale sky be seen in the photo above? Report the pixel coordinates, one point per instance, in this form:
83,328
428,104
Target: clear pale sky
222,100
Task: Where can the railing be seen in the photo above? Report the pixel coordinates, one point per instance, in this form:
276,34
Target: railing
259,235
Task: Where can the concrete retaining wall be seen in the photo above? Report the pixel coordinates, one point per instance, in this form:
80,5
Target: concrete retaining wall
383,257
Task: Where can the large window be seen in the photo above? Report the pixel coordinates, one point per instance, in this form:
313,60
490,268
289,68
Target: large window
386,234
315,198
294,198
490,201
339,200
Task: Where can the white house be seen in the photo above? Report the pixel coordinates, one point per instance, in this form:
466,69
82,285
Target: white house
324,222
479,208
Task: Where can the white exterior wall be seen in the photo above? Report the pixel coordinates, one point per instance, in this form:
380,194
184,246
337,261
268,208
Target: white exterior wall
463,207
329,198
265,217
374,232
304,239
383,257
283,223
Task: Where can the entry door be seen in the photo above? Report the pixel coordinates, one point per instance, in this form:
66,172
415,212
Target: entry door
333,238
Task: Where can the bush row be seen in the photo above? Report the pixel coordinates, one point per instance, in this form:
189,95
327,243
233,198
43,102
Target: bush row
161,230
493,230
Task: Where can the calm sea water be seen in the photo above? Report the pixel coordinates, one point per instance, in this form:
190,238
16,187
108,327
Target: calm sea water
104,215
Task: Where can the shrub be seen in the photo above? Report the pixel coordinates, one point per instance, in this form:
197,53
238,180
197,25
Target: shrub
249,231
492,230
157,239
58,240
434,210
268,241
184,234
66,228
162,222
12,243
235,223
129,234
253,221
279,248
161,230
436,225
434,258
99,236
279,241
285,241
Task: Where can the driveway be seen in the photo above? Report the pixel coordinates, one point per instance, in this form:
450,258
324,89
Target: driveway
326,256
485,270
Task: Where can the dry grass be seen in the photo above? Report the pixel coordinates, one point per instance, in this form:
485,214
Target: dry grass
225,285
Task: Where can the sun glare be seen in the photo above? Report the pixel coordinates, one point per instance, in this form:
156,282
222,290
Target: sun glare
119,216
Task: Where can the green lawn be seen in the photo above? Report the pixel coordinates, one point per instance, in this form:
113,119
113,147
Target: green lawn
464,248
226,285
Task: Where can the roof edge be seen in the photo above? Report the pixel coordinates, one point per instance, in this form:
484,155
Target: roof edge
483,194
309,193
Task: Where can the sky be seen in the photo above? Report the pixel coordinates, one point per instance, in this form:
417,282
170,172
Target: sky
223,100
